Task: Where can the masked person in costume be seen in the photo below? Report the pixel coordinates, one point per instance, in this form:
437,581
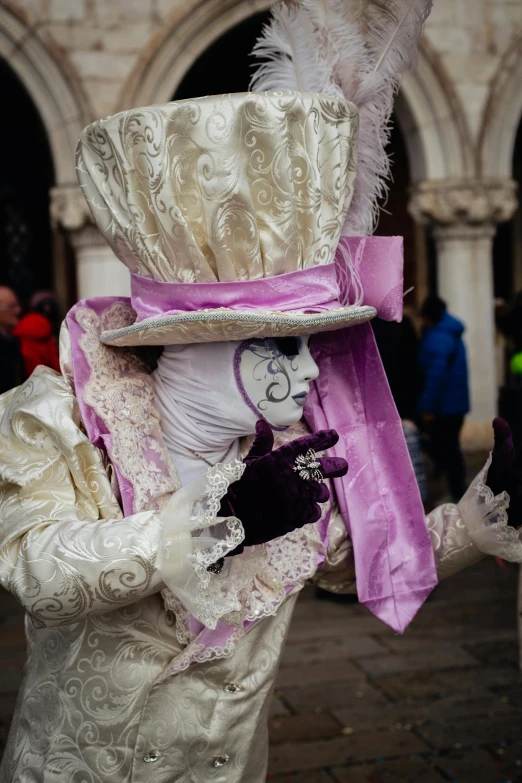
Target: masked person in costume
157,546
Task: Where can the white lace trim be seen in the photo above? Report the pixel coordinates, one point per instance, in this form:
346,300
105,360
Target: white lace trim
259,579
200,653
290,561
121,392
250,586
181,615
197,537
224,534
206,509
486,519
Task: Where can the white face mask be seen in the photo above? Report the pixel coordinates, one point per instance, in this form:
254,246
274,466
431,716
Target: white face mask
274,376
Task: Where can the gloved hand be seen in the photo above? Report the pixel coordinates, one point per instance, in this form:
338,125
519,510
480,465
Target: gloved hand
505,471
271,498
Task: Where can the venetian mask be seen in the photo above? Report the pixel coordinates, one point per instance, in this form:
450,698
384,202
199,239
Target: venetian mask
274,376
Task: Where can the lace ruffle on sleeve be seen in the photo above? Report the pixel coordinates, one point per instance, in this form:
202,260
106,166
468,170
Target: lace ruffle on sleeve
248,586
486,520
462,534
196,539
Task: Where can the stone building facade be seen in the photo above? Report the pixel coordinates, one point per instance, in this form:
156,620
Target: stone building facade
459,115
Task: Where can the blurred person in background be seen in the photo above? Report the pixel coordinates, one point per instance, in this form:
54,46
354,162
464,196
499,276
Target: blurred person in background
46,303
444,398
11,362
508,319
36,331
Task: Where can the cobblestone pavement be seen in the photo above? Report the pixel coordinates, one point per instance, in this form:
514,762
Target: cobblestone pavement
442,702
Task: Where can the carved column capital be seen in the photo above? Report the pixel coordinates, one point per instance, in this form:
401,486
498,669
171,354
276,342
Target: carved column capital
463,202
69,208
91,239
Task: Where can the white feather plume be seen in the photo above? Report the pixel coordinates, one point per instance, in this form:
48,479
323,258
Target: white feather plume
393,30
290,57
357,48
339,27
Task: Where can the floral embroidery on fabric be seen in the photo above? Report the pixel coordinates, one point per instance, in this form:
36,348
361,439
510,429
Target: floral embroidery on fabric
121,392
261,580
291,561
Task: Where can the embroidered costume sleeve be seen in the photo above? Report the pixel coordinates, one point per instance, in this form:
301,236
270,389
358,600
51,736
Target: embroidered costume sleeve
66,551
461,535
477,526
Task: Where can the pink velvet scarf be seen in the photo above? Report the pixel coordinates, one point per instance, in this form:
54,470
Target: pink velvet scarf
379,497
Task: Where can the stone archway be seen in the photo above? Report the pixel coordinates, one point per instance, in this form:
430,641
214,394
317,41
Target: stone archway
439,150
165,63
433,123
26,178
54,90
500,151
462,201
58,99
428,110
502,114
447,195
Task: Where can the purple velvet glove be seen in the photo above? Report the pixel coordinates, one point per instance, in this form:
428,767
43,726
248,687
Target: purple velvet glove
505,471
271,498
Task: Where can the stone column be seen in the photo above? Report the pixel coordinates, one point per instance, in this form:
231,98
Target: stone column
464,215
98,271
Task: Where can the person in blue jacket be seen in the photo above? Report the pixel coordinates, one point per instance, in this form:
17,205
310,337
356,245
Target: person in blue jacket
444,399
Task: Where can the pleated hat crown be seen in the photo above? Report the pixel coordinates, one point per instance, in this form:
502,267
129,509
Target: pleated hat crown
221,189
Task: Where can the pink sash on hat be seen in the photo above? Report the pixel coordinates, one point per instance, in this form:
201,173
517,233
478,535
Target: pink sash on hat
379,497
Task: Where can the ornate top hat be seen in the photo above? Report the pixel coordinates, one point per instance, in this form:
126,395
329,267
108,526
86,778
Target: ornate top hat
245,195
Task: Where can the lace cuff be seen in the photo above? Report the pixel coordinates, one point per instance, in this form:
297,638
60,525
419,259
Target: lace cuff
486,520
195,537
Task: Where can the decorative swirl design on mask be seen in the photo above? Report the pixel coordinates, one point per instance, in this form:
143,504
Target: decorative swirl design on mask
274,364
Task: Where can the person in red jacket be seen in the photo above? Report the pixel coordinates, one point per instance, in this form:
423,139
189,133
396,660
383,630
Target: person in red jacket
35,333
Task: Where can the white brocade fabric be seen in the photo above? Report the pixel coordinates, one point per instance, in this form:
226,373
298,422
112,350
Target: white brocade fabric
102,645
225,187
98,692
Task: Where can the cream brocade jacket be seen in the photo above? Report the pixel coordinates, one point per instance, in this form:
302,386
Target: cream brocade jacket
108,694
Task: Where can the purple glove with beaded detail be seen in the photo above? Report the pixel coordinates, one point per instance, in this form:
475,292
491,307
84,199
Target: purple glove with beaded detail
505,471
279,490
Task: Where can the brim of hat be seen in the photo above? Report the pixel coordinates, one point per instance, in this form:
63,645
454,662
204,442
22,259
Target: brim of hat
222,324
